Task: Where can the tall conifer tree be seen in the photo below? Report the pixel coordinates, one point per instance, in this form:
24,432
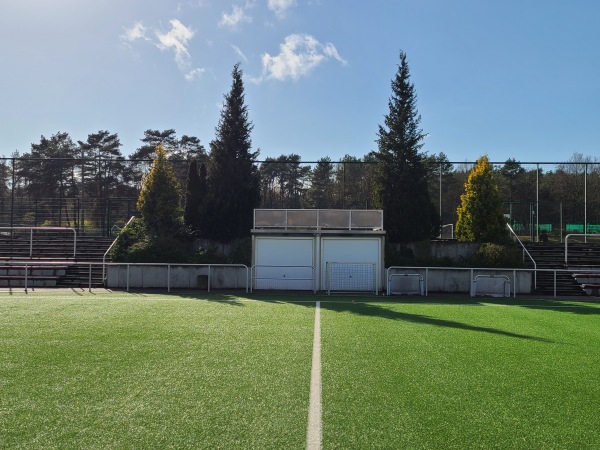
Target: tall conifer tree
159,198
194,195
233,183
401,182
480,217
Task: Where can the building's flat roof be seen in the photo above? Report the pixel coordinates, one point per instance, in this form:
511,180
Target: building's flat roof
319,219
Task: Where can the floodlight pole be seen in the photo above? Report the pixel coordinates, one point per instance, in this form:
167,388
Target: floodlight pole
537,202
441,226
585,203
12,198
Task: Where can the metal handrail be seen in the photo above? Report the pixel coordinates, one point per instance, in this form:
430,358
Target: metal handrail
168,266
451,225
313,279
567,244
28,266
526,252
32,229
111,246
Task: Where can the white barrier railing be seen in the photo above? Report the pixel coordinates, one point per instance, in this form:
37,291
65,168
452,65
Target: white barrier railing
169,266
281,276
32,229
525,252
112,245
420,283
473,272
467,278
567,243
26,277
503,278
29,278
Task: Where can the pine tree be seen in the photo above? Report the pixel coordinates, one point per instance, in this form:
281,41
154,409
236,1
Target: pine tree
195,194
321,191
233,182
480,217
159,199
401,188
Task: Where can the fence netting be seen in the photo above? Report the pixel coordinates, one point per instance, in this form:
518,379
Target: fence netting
98,196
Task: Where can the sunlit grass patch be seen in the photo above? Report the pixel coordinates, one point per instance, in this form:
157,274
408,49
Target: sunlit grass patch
152,371
461,376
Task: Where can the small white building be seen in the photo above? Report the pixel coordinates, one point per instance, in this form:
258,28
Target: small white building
318,249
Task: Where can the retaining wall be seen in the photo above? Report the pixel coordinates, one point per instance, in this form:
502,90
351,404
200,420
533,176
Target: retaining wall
459,280
451,280
181,276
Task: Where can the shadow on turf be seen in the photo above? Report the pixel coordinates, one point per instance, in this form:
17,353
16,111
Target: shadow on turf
566,308
369,309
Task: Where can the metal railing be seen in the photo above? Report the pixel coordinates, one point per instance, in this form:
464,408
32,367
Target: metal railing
26,276
25,273
586,235
461,279
113,244
344,219
469,274
282,276
169,274
32,229
525,252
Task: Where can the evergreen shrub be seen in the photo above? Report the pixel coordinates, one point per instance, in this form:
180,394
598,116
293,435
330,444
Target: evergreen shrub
498,255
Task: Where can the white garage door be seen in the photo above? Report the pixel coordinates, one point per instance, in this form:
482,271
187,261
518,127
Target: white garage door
362,257
284,263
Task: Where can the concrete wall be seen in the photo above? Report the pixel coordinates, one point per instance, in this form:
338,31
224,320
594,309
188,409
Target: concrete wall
439,249
453,249
181,276
451,280
459,280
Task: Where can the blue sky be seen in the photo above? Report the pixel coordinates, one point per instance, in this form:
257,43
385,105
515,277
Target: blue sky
511,79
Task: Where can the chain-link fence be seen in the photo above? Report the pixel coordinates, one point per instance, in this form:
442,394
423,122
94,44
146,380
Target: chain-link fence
98,196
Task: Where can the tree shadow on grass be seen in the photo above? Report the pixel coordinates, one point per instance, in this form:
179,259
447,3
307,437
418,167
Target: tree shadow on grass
368,309
564,307
228,299
361,307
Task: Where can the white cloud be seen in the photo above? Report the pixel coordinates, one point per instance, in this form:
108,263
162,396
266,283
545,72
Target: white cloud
239,52
280,7
194,74
299,55
137,31
177,40
237,16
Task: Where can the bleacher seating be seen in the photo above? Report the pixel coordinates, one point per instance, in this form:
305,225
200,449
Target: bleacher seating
582,257
50,259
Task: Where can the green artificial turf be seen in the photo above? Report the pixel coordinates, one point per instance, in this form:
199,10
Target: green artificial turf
152,371
461,376
126,370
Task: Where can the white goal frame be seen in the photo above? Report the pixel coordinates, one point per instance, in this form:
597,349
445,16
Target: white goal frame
499,282
406,276
351,277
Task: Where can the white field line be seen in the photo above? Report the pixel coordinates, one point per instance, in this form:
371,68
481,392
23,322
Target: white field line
314,434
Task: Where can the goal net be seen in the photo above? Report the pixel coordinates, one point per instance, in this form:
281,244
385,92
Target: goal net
351,277
491,286
405,284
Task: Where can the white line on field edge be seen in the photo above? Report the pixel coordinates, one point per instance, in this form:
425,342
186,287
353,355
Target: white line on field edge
314,434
